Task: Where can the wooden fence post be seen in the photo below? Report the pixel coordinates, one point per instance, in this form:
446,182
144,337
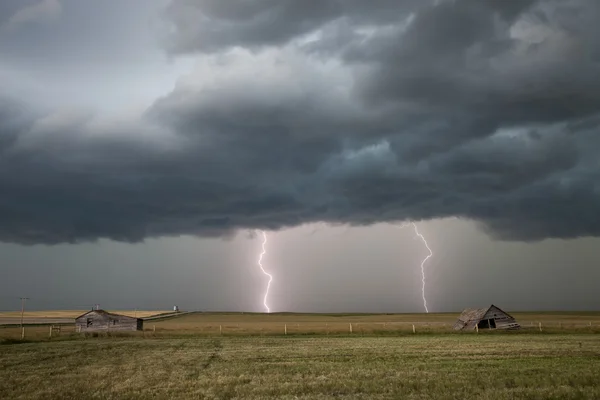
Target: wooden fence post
350,327
414,330
477,328
22,333
285,329
50,332
220,329
154,328
540,326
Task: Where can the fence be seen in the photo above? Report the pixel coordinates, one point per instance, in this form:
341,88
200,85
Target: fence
172,327
347,328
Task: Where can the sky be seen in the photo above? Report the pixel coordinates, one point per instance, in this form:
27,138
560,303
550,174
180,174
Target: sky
145,144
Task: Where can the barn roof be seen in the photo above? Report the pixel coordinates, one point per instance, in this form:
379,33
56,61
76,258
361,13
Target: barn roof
473,314
471,317
108,314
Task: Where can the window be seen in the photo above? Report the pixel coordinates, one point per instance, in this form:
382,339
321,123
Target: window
90,322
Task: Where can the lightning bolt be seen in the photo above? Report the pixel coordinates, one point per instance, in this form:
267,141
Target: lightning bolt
260,257
422,262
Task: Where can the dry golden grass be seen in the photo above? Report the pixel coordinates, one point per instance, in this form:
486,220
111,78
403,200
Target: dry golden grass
215,324
238,323
234,355
482,367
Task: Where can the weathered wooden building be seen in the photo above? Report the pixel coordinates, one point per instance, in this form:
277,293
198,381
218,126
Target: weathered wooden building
103,321
485,318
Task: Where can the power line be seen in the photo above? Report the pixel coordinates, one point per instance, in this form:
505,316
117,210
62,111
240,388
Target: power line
23,299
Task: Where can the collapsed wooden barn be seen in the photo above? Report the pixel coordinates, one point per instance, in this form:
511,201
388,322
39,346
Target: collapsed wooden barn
103,321
485,318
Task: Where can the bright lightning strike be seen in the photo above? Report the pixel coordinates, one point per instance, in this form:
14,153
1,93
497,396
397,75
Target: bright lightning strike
422,263
264,251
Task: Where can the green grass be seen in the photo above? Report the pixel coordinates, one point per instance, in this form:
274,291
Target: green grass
497,366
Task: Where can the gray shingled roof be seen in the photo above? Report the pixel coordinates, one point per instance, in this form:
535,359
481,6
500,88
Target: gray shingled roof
473,314
470,317
107,314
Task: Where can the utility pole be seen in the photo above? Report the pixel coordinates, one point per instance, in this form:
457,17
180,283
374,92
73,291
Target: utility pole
23,299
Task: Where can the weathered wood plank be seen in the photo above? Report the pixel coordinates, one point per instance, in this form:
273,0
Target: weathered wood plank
100,321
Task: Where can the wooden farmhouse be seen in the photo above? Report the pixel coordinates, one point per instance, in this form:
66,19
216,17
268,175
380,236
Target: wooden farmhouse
485,318
103,321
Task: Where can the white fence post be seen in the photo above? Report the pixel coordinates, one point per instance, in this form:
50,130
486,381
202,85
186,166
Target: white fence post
414,330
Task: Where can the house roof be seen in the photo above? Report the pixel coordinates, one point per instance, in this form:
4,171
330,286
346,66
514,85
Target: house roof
105,313
502,311
473,314
476,314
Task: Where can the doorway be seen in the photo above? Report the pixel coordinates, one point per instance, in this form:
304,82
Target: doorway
487,324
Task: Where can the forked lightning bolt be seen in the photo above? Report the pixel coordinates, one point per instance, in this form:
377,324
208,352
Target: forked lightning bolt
264,251
422,263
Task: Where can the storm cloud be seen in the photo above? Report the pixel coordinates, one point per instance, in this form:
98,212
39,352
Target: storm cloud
303,111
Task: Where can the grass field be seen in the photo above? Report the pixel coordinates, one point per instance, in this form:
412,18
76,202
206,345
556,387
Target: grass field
233,355
235,323
410,367
242,324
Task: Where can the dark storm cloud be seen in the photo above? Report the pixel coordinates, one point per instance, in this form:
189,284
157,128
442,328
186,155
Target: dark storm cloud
483,110
212,25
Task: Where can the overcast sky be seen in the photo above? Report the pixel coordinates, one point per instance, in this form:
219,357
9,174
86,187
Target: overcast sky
144,143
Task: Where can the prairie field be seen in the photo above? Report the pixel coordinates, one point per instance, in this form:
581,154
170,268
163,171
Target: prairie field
243,324
249,356
279,323
437,366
